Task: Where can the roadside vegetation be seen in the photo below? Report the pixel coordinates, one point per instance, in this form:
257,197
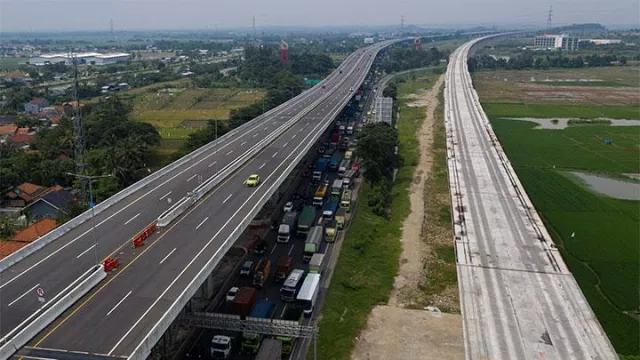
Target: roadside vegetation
596,234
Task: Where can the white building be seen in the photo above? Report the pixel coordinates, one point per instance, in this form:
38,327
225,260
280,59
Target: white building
383,110
563,42
368,40
603,41
92,58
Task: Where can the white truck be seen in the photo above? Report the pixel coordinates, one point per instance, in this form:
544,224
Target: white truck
286,226
315,265
336,188
221,347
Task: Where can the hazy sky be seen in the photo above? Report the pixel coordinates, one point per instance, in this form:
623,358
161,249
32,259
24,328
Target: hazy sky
32,15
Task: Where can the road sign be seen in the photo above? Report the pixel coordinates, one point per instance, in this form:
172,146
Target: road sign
40,292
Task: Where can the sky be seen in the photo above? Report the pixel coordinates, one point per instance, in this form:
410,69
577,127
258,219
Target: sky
65,15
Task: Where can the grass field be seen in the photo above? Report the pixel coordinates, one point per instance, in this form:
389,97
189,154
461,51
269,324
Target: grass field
604,255
368,262
495,109
10,63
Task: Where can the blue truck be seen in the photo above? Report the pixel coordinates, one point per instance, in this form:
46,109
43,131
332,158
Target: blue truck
250,340
334,162
330,210
321,165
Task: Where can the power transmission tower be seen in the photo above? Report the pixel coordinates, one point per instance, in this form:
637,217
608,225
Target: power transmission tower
78,149
254,27
111,27
549,14
401,23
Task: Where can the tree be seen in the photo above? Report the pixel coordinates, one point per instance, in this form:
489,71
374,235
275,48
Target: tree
376,145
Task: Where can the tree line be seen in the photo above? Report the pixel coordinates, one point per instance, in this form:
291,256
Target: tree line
528,61
405,58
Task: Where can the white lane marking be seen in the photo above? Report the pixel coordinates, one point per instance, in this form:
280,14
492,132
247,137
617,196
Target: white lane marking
285,144
261,166
203,221
165,195
294,136
291,249
25,294
274,154
265,128
227,199
213,163
191,178
130,220
86,251
229,153
169,254
301,130
254,135
284,309
119,302
272,250
242,143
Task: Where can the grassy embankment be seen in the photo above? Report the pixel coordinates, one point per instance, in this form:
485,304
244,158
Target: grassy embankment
604,254
368,261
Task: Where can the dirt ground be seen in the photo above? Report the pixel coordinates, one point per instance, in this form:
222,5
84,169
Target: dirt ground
393,331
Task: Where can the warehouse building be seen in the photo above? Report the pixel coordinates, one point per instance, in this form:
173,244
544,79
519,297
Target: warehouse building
90,58
383,110
563,42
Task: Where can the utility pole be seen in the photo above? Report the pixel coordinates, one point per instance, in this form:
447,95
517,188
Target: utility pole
254,27
90,179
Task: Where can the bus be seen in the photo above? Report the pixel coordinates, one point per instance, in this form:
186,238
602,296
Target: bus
308,293
291,286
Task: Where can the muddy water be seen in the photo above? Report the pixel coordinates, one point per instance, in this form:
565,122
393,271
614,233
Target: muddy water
614,188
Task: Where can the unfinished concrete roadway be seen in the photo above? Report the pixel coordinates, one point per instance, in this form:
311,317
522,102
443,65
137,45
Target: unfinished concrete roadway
518,298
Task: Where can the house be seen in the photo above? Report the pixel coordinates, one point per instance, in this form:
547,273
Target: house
35,231
27,192
52,205
21,140
16,77
35,105
23,131
9,129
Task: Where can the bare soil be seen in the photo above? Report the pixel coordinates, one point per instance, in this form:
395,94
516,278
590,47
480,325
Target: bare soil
394,331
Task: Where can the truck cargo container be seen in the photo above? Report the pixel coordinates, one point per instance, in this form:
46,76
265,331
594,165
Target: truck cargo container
283,267
330,210
347,180
308,293
321,166
318,196
336,188
312,244
244,301
271,349
286,226
335,161
345,201
288,342
316,262
261,273
341,218
306,220
250,340
290,288
345,165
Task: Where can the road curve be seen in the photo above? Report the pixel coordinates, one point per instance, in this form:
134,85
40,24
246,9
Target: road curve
518,298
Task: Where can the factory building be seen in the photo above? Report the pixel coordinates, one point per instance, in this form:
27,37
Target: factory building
563,42
90,58
383,110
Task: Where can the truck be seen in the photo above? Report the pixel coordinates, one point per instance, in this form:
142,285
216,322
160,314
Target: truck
292,313
315,264
336,188
244,301
308,294
286,226
330,209
350,130
318,197
334,162
330,231
348,154
283,268
306,220
318,171
345,201
312,244
335,138
261,273
345,165
341,218
356,168
250,340
347,179
271,349
221,347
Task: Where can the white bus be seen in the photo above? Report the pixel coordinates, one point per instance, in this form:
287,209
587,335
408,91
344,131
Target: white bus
292,285
308,293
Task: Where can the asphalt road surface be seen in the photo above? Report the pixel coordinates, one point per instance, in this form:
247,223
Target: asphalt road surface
124,310
519,300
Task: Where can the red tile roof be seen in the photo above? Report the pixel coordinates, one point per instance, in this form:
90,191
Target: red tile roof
36,230
16,75
9,247
56,120
37,101
22,138
8,129
29,188
22,131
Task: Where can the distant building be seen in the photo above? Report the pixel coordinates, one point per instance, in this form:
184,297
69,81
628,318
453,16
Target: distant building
368,40
563,42
16,77
383,110
52,205
90,58
603,41
35,105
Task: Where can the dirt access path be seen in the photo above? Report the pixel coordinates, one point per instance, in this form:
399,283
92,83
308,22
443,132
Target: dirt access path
393,331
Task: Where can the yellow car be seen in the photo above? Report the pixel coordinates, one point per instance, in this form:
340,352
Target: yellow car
253,180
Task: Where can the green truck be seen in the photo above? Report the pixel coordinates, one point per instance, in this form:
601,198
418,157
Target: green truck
293,313
306,220
250,340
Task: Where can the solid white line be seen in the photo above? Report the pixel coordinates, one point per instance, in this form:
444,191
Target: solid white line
25,294
301,130
261,166
169,254
229,153
191,178
119,302
213,163
130,220
165,195
242,143
274,154
294,136
272,250
291,249
203,221
86,251
228,197
284,309
254,135
285,144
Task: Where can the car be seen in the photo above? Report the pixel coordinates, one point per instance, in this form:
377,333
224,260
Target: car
246,268
350,89
231,294
288,206
253,180
324,87
261,247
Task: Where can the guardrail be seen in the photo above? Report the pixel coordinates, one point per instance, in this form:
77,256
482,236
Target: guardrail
23,333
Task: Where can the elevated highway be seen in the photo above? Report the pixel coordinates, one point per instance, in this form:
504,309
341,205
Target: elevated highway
126,314
518,299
